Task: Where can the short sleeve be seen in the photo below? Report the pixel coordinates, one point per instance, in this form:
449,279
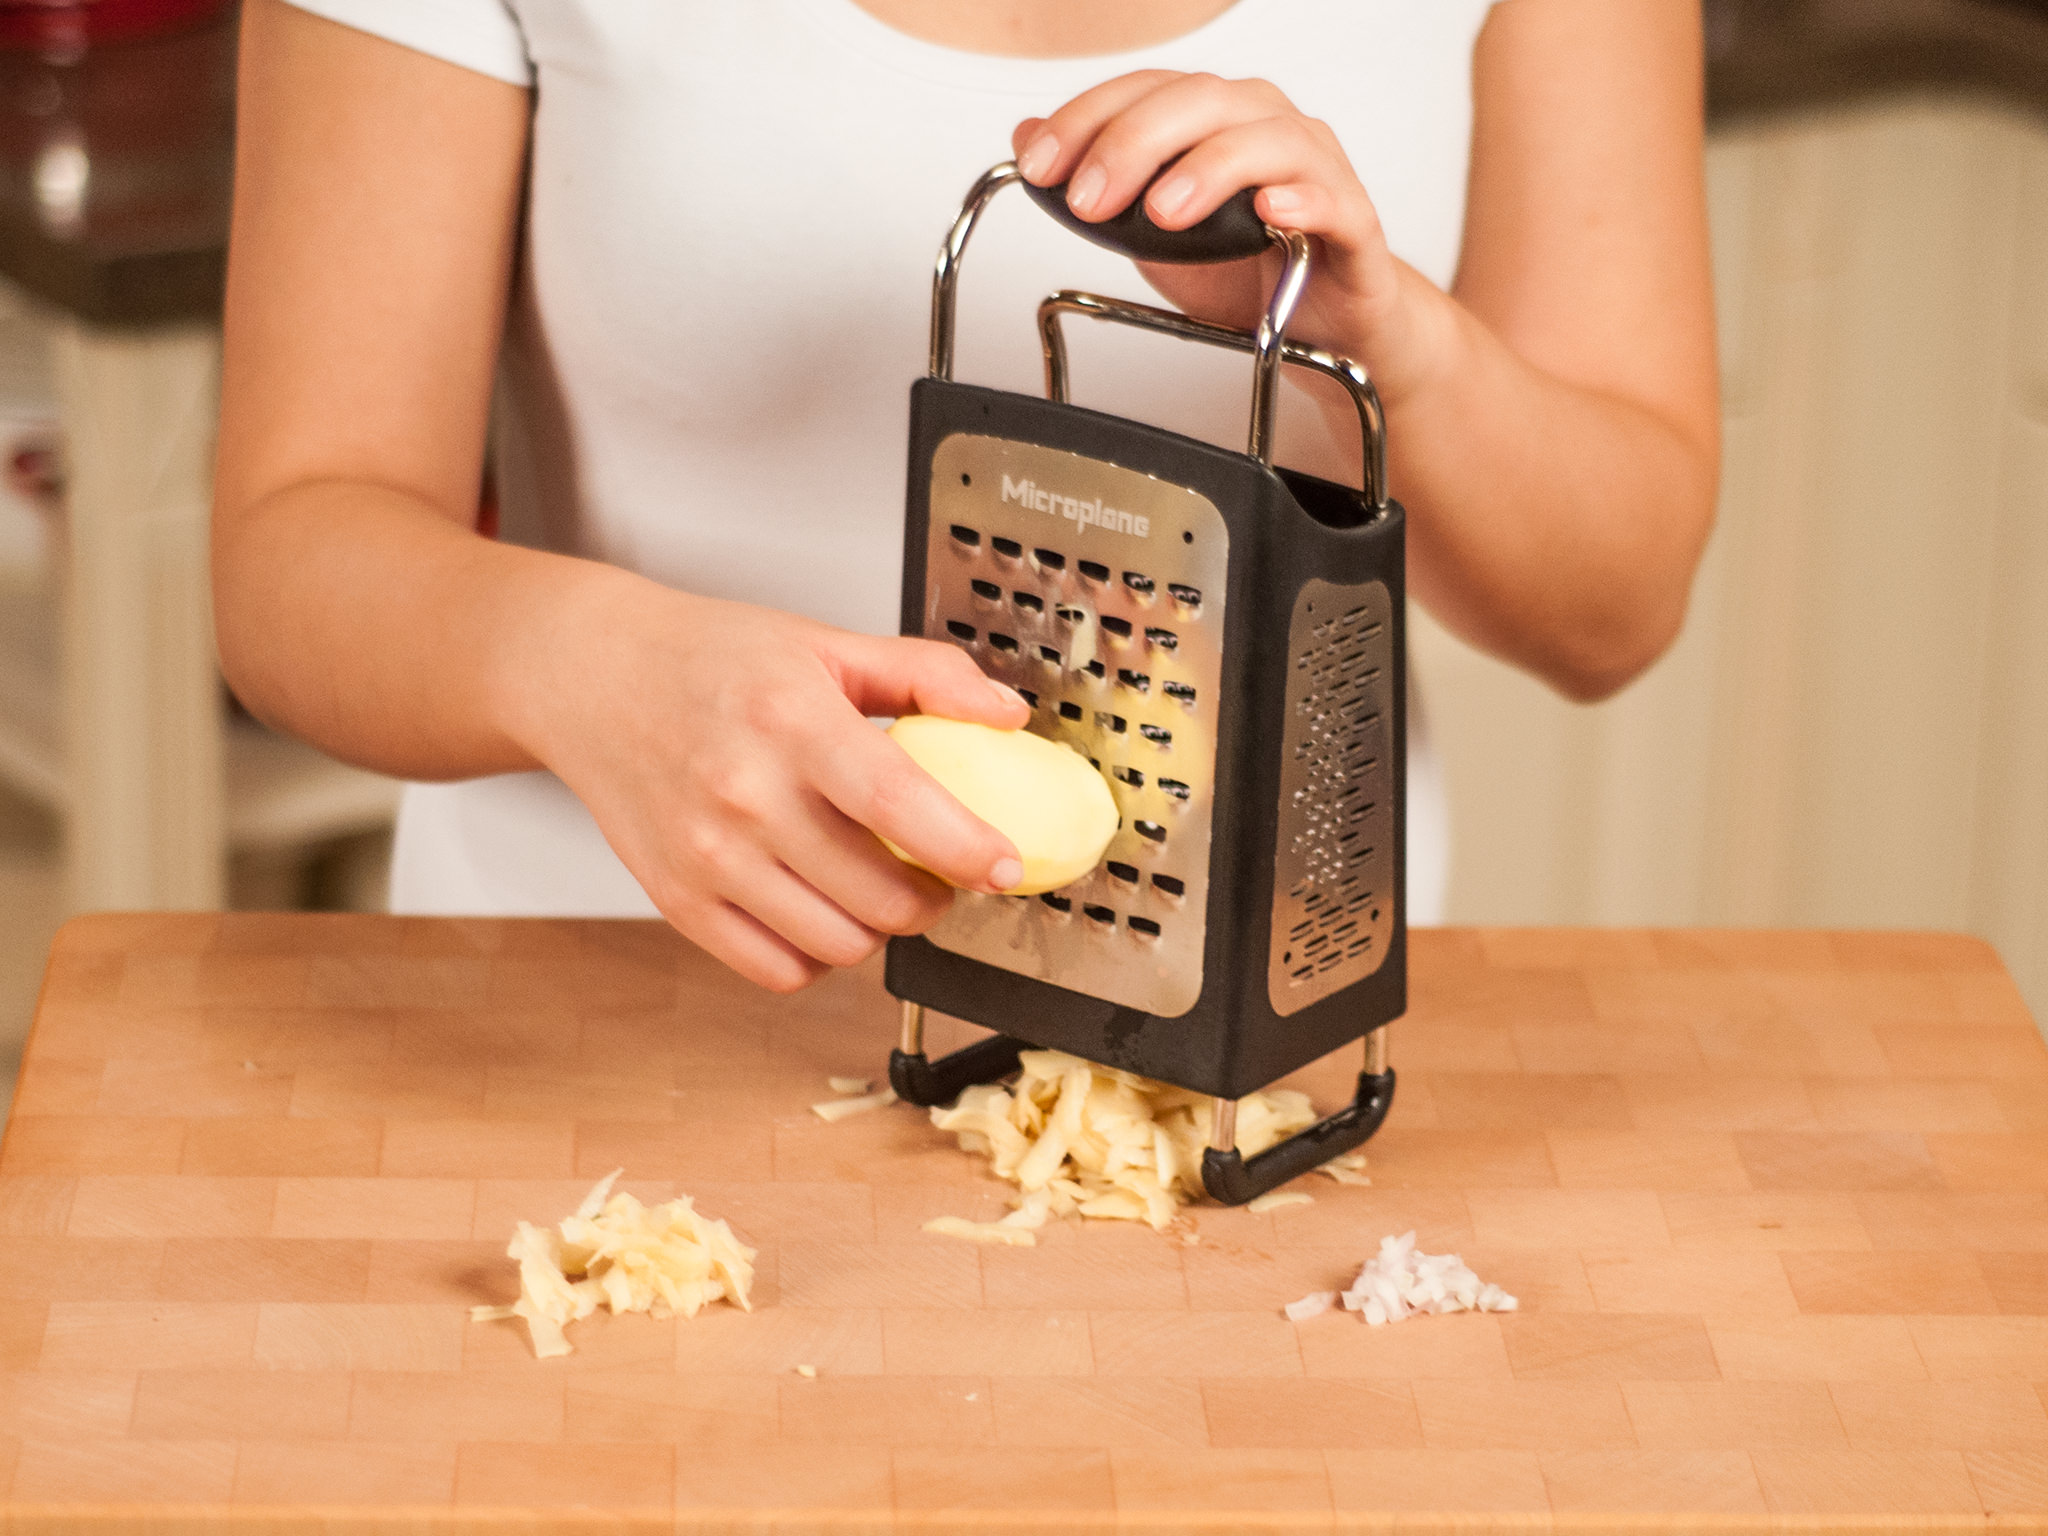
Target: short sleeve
482,35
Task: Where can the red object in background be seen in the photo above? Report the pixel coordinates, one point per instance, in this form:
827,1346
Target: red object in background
71,26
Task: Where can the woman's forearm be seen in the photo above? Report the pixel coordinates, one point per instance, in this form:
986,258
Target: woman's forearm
358,618
1552,524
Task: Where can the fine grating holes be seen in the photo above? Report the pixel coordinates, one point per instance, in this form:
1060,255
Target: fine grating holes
1158,735
1105,721
1165,639
1143,925
1028,602
1121,628
1128,873
1174,787
1049,559
1137,682
1009,549
1006,643
1057,902
960,631
1069,615
1095,570
1096,670
1069,710
962,534
1132,777
1180,693
1028,697
1049,653
1171,885
1104,915
987,591
1142,585
1151,831
1186,596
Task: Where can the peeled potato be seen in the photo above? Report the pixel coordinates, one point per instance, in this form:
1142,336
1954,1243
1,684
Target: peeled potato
1047,799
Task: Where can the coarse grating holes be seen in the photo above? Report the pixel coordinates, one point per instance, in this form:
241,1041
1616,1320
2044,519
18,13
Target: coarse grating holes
1070,615
962,534
1173,787
987,591
1009,549
1028,602
1007,643
1049,653
1158,735
1165,639
1121,628
1143,925
1151,831
1060,904
1028,697
1170,885
1180,693
1137,682
1131,776
1096,670
1128,873
1105,721
1049,559
960,631
1069,710
1104,915
1094,570
1142,585
1186,596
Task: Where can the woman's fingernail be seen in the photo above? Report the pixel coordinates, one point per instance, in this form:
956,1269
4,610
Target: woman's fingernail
1008,872
1086,190
1170,196
1005,694
1038,157
1279,200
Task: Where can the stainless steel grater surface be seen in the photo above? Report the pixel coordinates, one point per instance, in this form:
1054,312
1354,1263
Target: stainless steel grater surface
1097,592
1333,861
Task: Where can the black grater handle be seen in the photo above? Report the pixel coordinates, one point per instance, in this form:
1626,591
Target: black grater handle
921,1081
1231,233
1232,1178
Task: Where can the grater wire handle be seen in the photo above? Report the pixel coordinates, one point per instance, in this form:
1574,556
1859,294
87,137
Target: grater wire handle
1352,375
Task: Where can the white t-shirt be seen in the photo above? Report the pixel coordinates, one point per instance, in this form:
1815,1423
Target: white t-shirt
723,299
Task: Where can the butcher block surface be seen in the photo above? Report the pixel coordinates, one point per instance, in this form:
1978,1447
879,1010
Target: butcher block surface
1775,1204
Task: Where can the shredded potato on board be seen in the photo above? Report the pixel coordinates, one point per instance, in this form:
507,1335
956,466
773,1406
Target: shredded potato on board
1079,1139
616,1252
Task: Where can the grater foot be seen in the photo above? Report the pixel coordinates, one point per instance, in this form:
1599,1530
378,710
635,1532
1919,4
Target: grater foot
923,1082
1232,1178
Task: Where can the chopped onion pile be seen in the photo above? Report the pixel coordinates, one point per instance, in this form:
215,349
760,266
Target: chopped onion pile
1076,1138
1398,1282
618,1253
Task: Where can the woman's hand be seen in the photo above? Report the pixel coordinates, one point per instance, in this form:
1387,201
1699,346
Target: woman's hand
1219,136
726,754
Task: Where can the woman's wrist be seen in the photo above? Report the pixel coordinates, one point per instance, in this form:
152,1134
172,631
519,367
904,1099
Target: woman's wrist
552,662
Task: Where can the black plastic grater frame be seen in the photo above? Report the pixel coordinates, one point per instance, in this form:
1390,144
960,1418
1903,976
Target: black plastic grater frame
1295,939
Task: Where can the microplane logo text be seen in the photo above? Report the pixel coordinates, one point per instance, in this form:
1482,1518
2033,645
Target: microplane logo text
1087,514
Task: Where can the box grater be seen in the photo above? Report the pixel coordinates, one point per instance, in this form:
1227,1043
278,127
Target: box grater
1225,640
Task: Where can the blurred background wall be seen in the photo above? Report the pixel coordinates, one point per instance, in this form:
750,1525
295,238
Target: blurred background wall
1852,731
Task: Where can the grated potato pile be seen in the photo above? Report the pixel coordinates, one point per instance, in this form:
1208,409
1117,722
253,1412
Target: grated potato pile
1079,1139
618,1253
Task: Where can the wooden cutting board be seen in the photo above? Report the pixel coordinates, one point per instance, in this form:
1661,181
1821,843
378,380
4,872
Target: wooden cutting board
1775,1204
